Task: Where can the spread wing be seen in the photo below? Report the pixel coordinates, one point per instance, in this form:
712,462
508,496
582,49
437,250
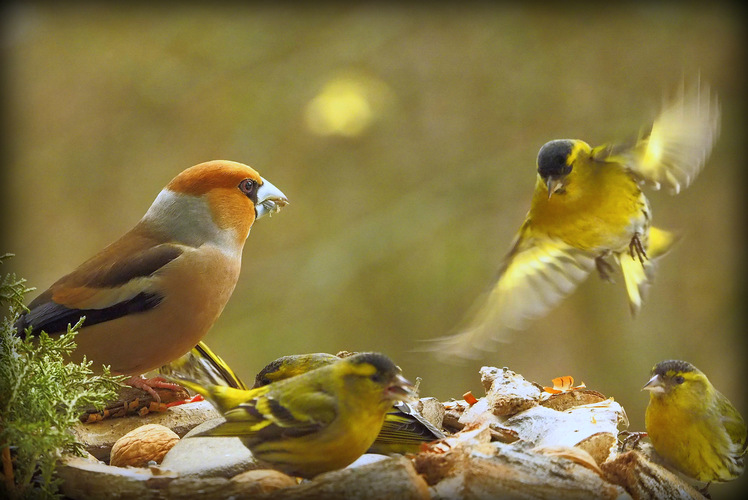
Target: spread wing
678,144
537,275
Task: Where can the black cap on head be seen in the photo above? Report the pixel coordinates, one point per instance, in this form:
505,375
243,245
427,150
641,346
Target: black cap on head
262,377
552,158
382,363
672,365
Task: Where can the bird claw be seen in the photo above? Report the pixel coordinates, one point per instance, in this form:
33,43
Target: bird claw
636,249
604,269
628,440
148,385
705,491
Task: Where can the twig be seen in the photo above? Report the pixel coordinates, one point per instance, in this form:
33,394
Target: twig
8,470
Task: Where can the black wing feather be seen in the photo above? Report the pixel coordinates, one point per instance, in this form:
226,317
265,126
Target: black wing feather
54,318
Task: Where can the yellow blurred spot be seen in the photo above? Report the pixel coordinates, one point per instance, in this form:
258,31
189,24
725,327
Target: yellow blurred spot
345,106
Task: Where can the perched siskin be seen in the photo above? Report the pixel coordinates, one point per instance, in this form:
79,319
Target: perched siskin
290,366
692,425
588,209
314,422
404,429
150,296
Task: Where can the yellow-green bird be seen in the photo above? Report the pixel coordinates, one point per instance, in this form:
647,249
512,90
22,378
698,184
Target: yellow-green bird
404,429
692,425
314,422
587,210
292,365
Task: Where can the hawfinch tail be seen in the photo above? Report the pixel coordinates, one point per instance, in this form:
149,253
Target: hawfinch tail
149,297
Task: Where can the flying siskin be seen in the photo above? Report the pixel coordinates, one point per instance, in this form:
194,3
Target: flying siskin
588,212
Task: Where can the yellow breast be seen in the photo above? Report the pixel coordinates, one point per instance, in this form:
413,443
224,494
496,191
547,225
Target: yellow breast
600,208
688,440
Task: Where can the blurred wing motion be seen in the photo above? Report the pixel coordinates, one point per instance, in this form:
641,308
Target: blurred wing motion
675,149
538,273
592,209
205,366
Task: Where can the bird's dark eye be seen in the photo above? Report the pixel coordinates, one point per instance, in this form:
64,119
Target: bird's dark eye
249,188
679,379
377,378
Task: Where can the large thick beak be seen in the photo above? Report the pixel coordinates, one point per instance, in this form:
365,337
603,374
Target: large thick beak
270,199
554,184
401,390
655,385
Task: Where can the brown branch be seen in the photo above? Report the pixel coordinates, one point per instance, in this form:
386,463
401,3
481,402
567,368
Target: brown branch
8,470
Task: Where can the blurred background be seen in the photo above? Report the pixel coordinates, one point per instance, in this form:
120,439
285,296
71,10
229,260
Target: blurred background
405,139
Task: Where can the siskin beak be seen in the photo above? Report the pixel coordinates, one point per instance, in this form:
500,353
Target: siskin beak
270,200
401,390
655,385
554,184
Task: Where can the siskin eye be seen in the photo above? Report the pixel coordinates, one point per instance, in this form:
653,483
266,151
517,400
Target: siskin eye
679,379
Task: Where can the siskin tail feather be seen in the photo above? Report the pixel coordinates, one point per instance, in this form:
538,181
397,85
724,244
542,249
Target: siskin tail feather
637,276
222,397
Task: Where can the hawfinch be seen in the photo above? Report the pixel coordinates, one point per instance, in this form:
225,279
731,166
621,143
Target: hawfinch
149,297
